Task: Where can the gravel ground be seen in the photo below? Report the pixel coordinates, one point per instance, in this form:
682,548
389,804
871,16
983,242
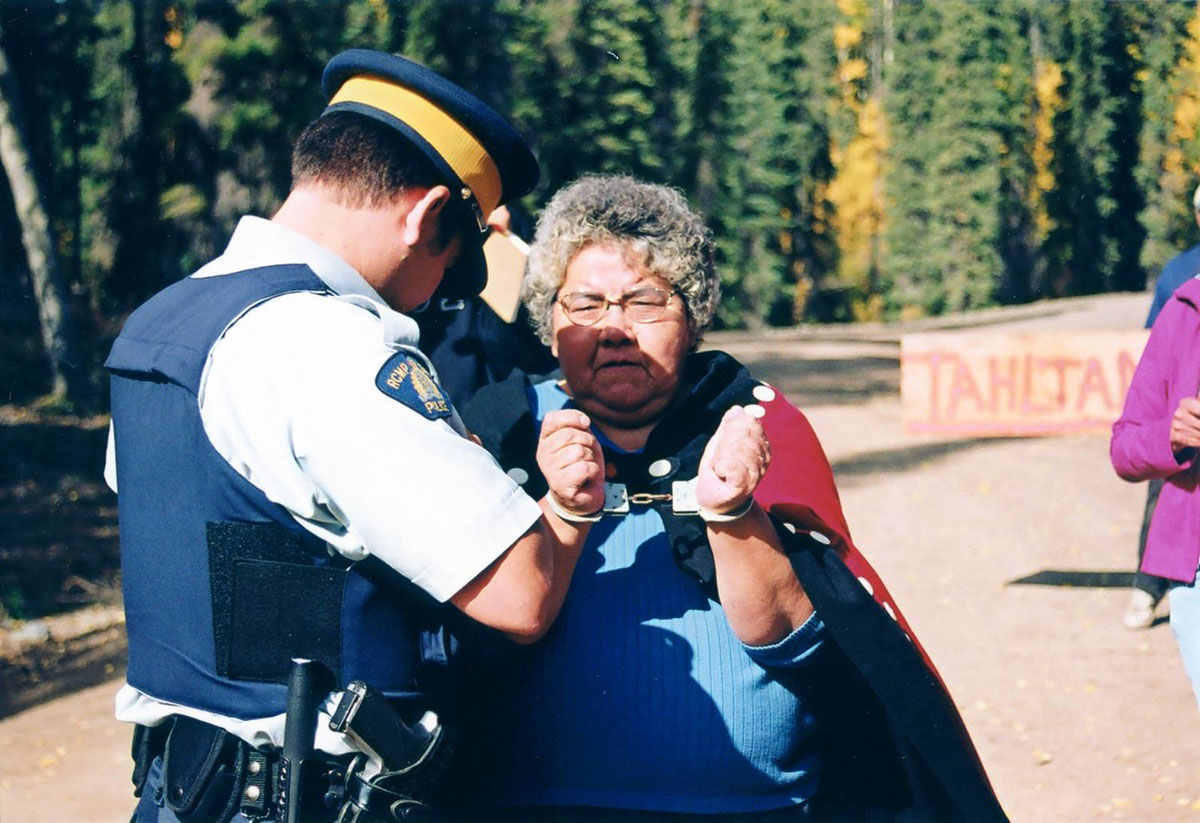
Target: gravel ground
1008,556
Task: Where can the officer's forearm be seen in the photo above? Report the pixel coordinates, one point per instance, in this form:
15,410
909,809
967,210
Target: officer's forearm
522,592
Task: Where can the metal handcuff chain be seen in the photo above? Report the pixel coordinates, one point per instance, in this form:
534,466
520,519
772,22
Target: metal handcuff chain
646,498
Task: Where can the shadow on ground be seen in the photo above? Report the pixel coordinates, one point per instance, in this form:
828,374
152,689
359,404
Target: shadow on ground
1070,578
858,467
829,381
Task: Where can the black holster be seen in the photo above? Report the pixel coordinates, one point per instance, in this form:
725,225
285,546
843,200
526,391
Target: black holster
398,794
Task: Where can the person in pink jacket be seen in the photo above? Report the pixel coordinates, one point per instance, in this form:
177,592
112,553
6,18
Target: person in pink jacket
1157,437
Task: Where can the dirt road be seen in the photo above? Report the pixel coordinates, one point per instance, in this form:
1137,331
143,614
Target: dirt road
1075,718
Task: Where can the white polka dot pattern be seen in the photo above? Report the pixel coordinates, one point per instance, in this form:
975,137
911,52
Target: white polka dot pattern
763,393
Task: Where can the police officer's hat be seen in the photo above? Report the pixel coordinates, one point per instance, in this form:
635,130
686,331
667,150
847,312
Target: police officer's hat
482,158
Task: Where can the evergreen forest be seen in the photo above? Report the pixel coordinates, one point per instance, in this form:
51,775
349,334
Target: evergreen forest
857,160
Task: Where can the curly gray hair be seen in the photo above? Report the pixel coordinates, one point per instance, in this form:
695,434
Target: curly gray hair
652,222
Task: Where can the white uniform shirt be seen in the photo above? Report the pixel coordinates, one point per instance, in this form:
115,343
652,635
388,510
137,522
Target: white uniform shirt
288,397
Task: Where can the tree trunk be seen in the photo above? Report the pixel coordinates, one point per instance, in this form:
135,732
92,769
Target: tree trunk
48,287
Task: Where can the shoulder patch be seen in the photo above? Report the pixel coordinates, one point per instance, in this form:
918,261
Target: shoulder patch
402,378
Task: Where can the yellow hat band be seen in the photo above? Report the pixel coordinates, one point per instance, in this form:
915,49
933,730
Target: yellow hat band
457,146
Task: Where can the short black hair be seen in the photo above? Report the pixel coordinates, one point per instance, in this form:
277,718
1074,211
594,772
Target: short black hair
368,164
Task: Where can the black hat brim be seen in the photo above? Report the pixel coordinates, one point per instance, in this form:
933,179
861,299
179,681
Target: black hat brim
514,160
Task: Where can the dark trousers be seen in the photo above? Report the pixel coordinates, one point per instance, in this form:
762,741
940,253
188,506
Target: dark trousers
579,814
1156,587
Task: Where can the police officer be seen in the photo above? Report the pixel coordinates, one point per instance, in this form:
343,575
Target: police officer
293,482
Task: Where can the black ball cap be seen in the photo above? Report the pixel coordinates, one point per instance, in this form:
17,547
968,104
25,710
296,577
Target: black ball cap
483,159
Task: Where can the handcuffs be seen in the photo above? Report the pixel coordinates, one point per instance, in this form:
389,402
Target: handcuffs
682,498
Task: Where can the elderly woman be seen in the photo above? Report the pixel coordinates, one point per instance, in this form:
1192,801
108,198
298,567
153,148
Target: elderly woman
689,672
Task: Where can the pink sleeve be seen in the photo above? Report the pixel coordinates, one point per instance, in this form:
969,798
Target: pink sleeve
1140,448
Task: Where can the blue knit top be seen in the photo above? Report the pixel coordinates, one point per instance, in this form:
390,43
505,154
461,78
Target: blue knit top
642,697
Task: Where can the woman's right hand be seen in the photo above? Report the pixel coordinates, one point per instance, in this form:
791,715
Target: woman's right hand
572,461
1185,424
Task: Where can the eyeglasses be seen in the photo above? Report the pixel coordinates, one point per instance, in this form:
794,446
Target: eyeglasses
585,308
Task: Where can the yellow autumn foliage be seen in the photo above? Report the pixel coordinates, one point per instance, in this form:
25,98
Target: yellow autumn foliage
1187,115
174,20
1181,158
855,9
846,36
851,71
1186,76
855,194
1047,86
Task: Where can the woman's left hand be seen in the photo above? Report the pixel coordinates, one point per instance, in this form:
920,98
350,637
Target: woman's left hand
733,463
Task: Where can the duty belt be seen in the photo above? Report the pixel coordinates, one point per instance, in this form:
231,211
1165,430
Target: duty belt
210,774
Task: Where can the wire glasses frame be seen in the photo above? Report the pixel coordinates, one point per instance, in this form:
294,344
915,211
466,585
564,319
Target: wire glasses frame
644,305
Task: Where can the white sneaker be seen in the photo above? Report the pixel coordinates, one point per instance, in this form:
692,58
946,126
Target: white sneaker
1139,614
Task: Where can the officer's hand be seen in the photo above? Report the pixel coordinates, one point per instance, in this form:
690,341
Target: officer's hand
1185,424
733,463
571,461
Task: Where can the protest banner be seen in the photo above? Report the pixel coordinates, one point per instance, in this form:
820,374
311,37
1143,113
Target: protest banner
971,384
